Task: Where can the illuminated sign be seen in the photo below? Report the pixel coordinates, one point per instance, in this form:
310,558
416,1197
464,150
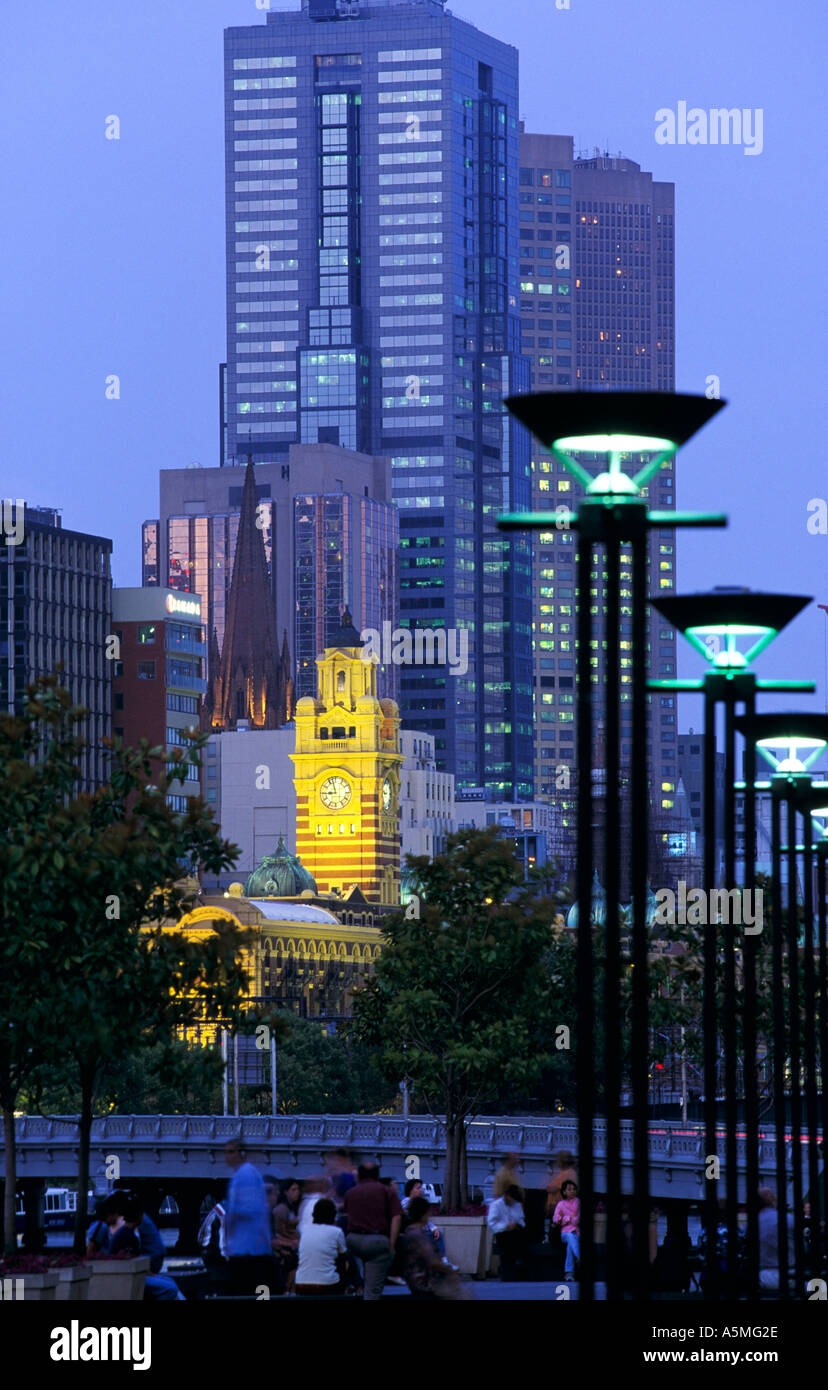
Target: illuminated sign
183,605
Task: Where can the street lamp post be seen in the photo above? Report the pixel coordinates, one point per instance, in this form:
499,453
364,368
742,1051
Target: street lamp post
613,513
715,622
800,737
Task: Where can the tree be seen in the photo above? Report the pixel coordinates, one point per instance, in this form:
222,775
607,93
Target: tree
461,995
170,1077
106,868
321,1074
38,756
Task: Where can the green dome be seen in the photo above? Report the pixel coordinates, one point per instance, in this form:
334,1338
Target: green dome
280,875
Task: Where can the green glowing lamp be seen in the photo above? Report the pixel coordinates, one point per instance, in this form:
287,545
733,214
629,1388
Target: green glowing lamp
790,741
619,424
714,622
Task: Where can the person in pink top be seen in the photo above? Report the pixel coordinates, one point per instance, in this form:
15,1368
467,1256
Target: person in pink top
567,1215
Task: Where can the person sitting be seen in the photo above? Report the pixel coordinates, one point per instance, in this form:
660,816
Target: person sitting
97,1237
567,1215
133,1232
413,1188
285,1219
322,1253
506,1220
427,1274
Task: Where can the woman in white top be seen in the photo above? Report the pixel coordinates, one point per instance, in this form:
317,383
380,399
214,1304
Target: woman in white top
322,1253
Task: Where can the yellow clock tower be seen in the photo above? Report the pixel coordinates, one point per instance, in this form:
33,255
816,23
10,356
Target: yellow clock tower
347,774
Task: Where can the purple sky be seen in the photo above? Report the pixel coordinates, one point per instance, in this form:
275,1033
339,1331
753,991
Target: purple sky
112,254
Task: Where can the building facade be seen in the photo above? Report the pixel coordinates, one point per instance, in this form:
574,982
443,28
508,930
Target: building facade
426,798
532,826
372,288
347,775
597,258
56,603
330,536
158,674
247,781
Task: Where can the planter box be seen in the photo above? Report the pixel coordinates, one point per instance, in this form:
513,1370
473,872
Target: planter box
121,1280
468,1243
73,1283
37,1288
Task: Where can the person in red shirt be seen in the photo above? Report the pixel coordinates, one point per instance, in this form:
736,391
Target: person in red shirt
374,1216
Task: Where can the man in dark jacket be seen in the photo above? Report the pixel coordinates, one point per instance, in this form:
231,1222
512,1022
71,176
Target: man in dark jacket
374,1216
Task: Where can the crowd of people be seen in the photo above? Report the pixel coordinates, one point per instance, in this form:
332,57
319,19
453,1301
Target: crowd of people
348,1232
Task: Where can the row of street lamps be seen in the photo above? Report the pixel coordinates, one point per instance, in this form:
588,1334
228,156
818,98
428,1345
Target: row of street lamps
622,426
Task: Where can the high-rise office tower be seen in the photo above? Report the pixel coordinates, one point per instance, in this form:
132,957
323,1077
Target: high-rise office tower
330,537
56,600
597,313
372,286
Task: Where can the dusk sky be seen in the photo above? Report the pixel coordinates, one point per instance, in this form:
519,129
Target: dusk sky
113,254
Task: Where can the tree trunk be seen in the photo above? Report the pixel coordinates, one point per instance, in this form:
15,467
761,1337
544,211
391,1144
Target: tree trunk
451,1175
84,1137
10,1189
455,1180
463,1164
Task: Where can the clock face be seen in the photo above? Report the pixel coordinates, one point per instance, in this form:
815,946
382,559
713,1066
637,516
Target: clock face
386,794
335,793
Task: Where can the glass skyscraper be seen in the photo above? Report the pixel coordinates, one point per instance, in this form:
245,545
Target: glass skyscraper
56,598
372,291
597,314
330,535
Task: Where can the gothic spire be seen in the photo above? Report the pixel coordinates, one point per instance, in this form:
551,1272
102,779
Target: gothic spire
251,684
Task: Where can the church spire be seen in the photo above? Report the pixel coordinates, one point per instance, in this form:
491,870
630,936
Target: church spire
251,684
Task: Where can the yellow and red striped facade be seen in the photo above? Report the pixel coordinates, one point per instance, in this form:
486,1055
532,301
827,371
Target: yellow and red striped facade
347,779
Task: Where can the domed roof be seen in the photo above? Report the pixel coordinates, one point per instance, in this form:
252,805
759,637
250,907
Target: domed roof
340,630
410,886
280,875
599,906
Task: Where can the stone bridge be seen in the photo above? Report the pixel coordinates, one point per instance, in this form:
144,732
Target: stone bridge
183,1155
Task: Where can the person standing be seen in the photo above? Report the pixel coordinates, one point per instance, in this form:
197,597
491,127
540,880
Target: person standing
374,1216
563,1170
247,1224
769,1240
507,1176
507,1223
342,1174
567,1215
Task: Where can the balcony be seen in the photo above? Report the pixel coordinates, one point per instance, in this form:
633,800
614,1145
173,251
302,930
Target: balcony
185,683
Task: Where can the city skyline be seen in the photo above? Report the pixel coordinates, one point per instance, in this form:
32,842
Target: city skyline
142,296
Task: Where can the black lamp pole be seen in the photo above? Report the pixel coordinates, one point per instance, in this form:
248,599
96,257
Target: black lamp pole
794,1031
611,515
727,614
